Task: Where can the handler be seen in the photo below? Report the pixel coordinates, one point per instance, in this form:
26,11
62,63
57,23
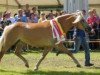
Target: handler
79,37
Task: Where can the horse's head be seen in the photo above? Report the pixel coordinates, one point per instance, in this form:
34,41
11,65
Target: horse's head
80,22
70,20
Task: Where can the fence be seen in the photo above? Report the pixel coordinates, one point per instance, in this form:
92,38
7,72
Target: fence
93,43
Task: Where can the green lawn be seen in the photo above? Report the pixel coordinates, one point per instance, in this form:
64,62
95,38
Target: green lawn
52,65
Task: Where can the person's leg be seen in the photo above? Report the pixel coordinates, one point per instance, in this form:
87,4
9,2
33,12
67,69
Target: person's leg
77,44
85,46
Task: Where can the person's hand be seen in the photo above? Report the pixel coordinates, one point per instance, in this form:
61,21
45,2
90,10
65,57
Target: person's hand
92,31
74,38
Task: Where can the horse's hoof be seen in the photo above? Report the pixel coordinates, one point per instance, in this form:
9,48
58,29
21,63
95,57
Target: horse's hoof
78,66
35,69
27,65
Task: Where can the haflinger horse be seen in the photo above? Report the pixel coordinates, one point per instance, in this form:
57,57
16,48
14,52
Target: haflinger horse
39,35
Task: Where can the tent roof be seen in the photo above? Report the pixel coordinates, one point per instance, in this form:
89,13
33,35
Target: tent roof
32,2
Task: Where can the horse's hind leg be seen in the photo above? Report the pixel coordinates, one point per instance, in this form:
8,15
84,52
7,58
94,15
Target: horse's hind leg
62,48
18,50
45,52
2,53
5,44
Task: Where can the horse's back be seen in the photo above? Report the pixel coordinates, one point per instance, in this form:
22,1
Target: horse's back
35,34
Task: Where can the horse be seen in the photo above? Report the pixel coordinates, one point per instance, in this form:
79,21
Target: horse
38,35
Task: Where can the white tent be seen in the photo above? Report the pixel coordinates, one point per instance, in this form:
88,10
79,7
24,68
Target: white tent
73,5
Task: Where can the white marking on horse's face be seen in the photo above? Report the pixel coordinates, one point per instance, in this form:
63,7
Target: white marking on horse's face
78,19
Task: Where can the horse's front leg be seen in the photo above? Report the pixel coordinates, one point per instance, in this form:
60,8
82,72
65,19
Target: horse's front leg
45,52
18,50
65,50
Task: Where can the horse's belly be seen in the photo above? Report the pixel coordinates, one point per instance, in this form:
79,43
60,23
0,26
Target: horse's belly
38,37
39,42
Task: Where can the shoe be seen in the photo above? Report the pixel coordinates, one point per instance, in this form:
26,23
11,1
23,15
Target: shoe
89,64
57,53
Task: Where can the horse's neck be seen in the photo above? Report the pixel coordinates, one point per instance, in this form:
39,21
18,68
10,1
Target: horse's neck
66,27
66,24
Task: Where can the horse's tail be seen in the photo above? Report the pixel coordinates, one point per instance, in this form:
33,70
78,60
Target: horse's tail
3,48
2,39
0,43
8,38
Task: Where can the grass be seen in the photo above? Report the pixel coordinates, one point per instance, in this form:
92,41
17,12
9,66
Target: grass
52,64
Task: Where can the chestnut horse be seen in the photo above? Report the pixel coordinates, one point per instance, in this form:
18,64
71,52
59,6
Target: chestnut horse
37,35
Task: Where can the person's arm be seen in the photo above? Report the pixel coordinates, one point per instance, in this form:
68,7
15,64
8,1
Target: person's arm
74,33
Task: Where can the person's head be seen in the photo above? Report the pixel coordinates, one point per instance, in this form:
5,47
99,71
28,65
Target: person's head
90,12
42,14
20,12
34,9
83,12
63,12
8,14
5,15
94,11
27,6
51,11
58,12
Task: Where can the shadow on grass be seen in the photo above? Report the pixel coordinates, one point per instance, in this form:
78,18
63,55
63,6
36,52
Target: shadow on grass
59,73
97,67
30,72
27,51
34,50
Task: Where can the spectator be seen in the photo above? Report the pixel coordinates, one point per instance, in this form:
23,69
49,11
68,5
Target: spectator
12,19
96,24
63,12
58,13
51,15
21,16
5,20
27,11
42,17
34,11
91,19
31,18
95,13
84,14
